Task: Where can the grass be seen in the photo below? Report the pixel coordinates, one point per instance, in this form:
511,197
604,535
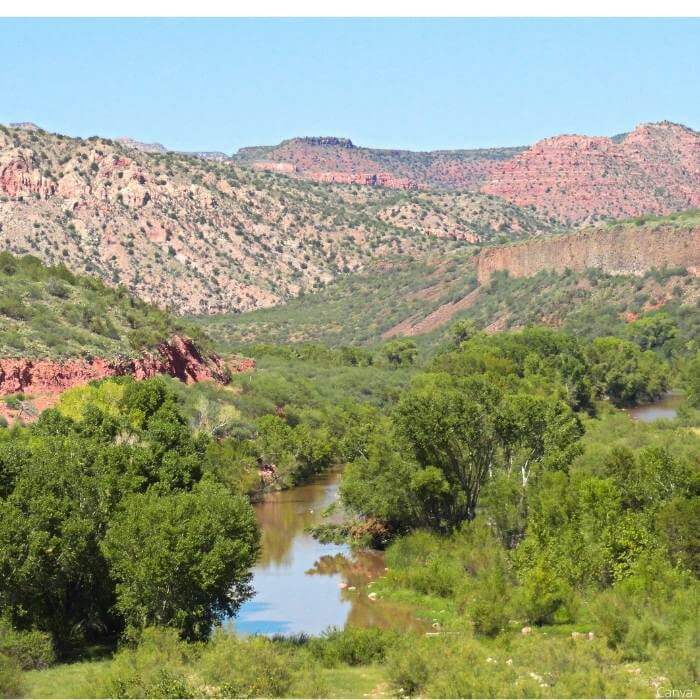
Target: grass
356,682
64,680
74,681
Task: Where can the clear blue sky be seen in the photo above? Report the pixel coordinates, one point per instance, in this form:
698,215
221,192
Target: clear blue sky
419,84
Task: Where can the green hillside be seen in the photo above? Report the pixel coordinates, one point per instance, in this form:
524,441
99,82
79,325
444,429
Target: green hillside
357,309
50,312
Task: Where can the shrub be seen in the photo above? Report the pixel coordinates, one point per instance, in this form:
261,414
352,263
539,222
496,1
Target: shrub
354,646
408,670
154,667
425,563
544,594
30,649
489,608
247,668
56,288
612,614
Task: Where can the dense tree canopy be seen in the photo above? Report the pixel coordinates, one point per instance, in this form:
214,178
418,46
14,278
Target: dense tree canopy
91,493
447,438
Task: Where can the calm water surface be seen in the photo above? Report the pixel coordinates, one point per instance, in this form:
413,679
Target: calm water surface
298,581
666,407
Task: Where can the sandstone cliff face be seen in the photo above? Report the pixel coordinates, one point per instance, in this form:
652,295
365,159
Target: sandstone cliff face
330,159
179,358
20,175
618,250
653,170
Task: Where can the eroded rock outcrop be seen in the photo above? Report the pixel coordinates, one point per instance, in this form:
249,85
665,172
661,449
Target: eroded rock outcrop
628,250
654,169
179,357
20,175
367,179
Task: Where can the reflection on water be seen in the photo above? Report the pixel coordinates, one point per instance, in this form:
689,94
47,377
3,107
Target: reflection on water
302,585
666,407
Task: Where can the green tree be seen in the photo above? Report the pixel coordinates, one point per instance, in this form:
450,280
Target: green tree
625,374
181,560
399,353
66,482
537,433
451,429
652,332
692,381
377,483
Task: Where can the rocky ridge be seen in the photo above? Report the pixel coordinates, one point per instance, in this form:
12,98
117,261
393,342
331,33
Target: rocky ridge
653,170
333,159
201,236
624,249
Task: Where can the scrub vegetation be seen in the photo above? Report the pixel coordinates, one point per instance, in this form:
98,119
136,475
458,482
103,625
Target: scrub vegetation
549,539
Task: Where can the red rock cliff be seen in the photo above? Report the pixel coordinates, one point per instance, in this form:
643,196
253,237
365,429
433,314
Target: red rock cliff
655,169
179,358
620,250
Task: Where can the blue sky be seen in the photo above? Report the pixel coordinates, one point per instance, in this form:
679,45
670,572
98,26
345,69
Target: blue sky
419,84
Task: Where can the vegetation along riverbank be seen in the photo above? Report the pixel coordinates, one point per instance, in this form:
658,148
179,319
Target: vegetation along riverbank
541,533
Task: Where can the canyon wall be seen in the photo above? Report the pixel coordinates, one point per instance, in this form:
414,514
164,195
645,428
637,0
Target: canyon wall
622,249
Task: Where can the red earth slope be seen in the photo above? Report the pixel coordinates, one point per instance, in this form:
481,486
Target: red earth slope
653,170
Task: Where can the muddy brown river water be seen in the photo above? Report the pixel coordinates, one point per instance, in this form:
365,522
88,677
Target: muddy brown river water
302,585
666,407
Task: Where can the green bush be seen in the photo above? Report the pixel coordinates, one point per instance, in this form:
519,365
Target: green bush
408,670
31,649
354,646
156,667
544,594
489,608
249,668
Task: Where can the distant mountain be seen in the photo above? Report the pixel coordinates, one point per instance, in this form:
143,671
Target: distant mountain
203,236
140,146
332,159
27,126
655,169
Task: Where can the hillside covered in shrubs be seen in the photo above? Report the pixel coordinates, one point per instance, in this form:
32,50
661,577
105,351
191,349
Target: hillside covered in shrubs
48,312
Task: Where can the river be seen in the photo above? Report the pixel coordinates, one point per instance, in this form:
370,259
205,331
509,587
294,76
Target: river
302,585
666,407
